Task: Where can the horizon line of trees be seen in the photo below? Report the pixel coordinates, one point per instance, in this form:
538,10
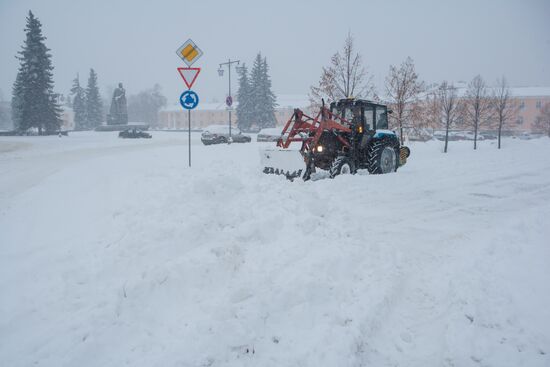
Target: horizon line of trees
415,105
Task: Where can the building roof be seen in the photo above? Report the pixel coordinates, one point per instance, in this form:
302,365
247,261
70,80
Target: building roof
530,91
462,87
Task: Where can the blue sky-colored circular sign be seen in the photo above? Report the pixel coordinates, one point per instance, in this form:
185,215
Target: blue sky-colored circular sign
189,99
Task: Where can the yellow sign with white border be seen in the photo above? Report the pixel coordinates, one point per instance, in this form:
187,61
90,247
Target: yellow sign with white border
189,52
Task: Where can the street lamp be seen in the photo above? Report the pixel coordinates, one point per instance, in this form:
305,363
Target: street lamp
229,99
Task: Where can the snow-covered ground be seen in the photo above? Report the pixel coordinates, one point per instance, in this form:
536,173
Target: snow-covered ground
113,252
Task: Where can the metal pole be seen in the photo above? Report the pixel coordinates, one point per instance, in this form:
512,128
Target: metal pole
189,132
228,63
229,66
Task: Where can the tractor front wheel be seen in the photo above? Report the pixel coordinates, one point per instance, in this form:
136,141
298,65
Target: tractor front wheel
341,165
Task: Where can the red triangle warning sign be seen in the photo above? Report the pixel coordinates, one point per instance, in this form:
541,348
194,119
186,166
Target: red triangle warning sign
189,75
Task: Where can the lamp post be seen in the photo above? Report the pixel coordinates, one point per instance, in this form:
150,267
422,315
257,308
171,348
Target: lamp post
220,73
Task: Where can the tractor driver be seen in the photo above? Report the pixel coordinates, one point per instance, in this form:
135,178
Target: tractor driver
353,115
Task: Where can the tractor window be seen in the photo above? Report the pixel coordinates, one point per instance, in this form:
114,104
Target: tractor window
381,118
369,118
352,115
348,114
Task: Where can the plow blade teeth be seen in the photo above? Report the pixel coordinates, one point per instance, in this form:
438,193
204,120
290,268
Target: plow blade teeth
284,162
281,161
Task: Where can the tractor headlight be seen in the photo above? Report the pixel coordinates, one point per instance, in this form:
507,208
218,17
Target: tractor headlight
319,148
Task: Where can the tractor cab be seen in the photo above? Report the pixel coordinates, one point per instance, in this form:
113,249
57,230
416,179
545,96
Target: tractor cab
361,114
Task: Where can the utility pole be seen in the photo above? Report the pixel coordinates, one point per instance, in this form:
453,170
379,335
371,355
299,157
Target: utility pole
229,100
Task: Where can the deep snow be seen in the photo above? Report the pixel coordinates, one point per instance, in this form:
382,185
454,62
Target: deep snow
113,252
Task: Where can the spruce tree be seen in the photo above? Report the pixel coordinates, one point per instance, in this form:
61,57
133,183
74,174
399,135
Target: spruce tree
263,99
94,106
245,113
270,103
34,103
255,88
78,104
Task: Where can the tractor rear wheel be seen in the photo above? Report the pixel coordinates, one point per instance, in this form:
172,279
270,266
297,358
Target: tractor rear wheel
341,165
382,157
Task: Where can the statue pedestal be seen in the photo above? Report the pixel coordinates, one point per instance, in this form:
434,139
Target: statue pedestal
118,119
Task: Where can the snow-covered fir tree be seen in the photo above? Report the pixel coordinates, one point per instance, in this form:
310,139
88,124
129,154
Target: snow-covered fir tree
245,112
94,106
263,99
34,103
78,104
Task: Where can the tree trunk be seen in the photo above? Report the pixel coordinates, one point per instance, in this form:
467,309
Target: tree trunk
499,132
446,136
475,136
401,130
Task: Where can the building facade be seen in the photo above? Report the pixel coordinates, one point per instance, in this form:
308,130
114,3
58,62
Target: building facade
175,118
529,102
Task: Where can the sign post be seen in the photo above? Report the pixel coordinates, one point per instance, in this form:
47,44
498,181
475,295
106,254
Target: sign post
189,100
189,52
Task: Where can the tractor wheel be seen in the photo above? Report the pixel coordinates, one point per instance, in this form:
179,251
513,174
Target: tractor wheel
341,165
382,157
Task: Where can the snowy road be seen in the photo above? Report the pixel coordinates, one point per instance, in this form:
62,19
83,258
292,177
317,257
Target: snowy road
114,252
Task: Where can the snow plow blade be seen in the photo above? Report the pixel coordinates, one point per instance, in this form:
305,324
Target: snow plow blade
285,162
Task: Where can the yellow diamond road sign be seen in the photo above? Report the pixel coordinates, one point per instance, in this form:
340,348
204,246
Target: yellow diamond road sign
189,52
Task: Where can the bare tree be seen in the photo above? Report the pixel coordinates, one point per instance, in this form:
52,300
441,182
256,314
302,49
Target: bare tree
477,105
345,77
448,104
504,108
542,122
403,89
431,109
145,106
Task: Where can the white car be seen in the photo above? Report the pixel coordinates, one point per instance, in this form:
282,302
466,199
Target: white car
469,135
219,134
270,134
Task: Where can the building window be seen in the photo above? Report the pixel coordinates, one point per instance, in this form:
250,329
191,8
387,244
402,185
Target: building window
522,105
519,121
539,104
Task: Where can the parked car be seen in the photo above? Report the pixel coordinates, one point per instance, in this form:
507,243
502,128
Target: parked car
439,135
456,135
134,134
270,134
469,135
489,135
421,135
219,134
529,135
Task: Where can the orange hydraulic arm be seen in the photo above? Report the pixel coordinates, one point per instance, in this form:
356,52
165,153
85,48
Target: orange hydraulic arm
308,130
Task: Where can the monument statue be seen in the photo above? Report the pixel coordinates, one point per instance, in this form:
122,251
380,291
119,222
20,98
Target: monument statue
118,114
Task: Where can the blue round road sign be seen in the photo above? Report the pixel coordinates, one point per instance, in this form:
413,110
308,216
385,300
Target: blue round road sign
189,99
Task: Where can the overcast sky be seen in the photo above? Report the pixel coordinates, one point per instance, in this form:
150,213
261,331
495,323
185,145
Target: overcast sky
134,42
